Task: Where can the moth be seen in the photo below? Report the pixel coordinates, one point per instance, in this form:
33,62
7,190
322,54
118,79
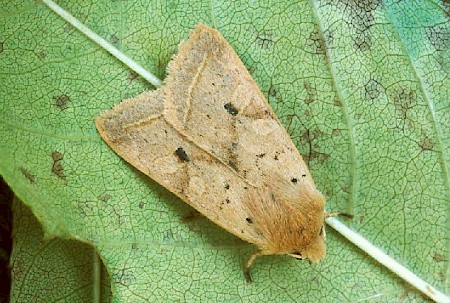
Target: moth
211,138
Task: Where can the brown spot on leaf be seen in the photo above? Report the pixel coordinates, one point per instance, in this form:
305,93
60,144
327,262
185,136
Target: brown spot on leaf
273,93
57,167
1,47
373,89
336,132
404,99
104,197
114,39
264,40
439,258
42,54
62,101
360,19
426,144
311,93
309,137
438,36
28,175
133,75
316,156
316,42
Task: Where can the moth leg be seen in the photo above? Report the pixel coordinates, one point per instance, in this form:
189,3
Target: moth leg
338,214
249,264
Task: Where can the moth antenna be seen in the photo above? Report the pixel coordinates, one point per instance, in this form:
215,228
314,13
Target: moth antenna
338,214
249,264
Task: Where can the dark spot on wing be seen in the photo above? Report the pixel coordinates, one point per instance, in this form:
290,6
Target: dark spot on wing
249,220
182,155
231,109
294,180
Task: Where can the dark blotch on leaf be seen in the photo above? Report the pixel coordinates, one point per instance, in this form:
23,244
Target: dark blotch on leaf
28,175
264,40
361,18
231,109
439,37
182,155
133,75
311,93
62,101
104,197
114,39
373,89
426,144
57,167
316,43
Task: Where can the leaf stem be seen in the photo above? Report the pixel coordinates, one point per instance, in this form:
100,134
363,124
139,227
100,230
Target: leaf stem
103,43
387,261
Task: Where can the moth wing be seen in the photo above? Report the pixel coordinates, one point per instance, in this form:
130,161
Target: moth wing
213,100
137,131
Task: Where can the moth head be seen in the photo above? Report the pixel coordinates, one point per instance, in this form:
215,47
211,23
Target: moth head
314,251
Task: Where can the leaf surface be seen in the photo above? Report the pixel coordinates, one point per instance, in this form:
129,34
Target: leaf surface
363,89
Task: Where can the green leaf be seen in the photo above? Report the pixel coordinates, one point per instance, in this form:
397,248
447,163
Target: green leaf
362,87
53,270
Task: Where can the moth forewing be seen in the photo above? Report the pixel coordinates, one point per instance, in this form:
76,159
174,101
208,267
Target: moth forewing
210,137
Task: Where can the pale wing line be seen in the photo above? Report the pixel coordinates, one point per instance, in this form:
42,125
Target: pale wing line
192,85
388,262
103,43
353,237
142,122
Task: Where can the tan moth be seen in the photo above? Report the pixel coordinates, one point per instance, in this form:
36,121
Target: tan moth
210,137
